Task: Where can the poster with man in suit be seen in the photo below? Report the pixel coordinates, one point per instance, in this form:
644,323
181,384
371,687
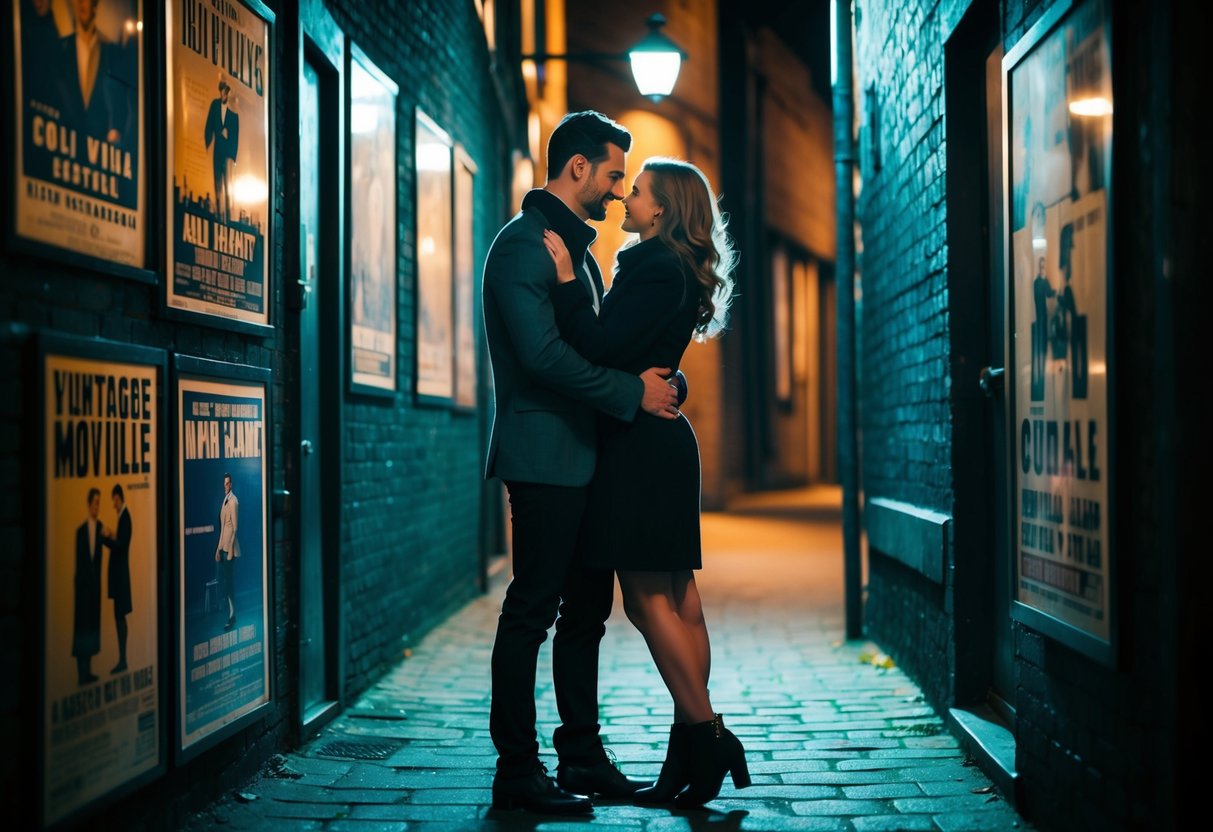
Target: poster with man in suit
79,183
222,603
101,704
218,183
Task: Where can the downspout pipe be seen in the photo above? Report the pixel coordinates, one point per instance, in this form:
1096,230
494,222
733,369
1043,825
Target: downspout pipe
848,435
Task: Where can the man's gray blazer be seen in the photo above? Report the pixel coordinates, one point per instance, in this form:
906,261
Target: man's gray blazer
545,393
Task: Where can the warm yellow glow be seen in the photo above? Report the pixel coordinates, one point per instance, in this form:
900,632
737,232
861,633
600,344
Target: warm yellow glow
1090,107
249,190
532,133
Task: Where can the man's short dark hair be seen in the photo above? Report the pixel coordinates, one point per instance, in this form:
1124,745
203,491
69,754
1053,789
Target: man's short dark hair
587,133
226,475
118,490
93,492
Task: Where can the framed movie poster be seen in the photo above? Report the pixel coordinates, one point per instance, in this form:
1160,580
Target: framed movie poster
465,282
435,266
102,721
373,288
1058,84
78,189
222,530
217,148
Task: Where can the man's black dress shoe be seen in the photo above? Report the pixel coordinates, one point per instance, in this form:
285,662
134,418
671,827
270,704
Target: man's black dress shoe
535,791
601,778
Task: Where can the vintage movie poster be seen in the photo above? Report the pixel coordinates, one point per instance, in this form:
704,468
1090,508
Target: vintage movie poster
465,282
372,225
218,88
435,267
1061,106
78,92
224,661
102,720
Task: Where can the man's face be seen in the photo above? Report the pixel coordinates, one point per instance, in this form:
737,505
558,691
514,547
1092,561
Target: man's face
223,93
227,485
117,503
86,13
94,506
603,184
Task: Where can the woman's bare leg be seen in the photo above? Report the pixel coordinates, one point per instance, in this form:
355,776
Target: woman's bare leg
652,603
690,610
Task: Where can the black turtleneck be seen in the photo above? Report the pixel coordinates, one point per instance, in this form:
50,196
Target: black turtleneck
577,235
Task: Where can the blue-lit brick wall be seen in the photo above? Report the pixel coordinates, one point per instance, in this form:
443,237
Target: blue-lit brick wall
1098,745
411,475
905,382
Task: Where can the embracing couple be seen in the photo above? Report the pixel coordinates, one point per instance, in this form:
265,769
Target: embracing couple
601,468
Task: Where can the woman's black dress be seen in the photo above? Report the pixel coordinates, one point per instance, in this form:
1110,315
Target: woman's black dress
643,510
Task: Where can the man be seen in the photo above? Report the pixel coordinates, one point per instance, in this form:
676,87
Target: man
119,572
543,447
228,548
100,87
1042,291
86,623
222,129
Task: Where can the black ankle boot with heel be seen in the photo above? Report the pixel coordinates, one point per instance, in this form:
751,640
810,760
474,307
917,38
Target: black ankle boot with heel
712,752
674,774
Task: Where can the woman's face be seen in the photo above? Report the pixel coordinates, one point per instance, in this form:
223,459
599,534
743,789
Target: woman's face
641,212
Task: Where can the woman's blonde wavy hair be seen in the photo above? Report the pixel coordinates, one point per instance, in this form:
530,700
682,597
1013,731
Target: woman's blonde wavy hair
693,227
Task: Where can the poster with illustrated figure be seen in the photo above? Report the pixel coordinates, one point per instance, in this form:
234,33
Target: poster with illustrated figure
222,602
102,716
465,281
217,78
373,229
78,161
1060,119
435,263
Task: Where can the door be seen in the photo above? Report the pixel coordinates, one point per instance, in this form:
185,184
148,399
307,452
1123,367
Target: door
314,665
991,379
982,546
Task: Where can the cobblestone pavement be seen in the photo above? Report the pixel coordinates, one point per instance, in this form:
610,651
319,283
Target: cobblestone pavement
835,740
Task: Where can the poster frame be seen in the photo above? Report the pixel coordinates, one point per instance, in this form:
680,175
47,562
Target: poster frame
187,367
446,397
1105,652
464,400
164,228
45,345
354,54
11,124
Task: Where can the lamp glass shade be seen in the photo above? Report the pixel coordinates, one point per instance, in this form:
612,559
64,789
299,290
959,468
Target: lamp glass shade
655,72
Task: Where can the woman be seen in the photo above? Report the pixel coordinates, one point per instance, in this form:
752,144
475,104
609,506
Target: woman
642,521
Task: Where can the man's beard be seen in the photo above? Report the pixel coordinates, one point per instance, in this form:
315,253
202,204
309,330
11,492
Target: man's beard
595,207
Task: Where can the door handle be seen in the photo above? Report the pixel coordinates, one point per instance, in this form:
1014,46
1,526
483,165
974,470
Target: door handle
306,446
990,380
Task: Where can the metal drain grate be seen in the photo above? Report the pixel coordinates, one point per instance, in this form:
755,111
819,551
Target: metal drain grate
358,750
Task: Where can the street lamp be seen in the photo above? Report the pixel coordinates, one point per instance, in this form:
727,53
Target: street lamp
655,60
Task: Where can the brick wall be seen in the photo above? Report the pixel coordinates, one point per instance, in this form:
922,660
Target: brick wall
411,475
1097,747
903,331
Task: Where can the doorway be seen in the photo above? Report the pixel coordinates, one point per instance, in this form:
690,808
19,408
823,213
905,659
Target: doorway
984,680
317,297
